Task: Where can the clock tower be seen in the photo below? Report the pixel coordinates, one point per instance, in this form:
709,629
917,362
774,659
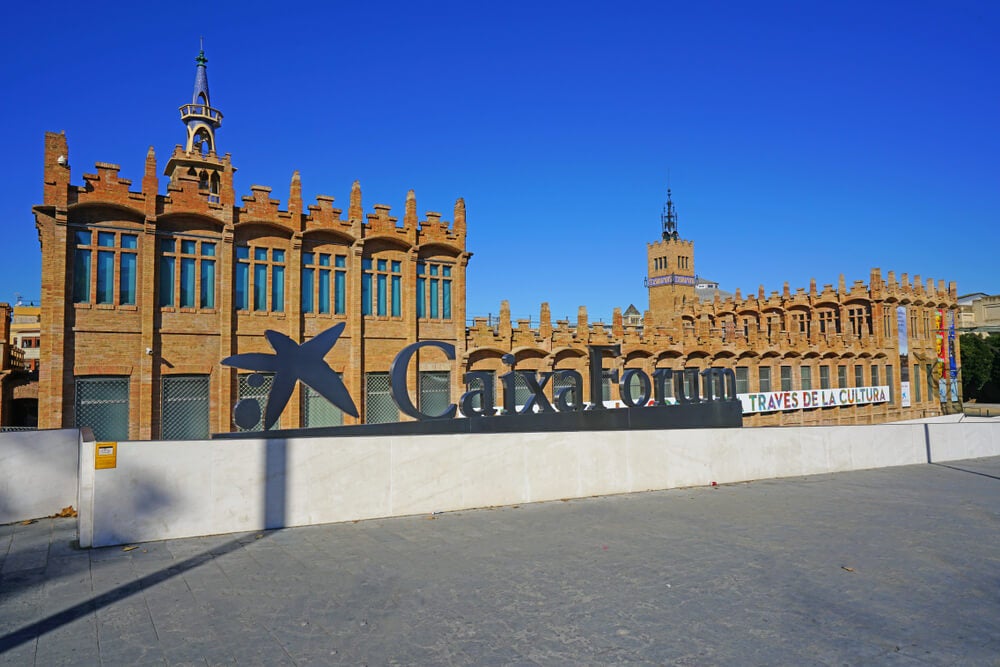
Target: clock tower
670,275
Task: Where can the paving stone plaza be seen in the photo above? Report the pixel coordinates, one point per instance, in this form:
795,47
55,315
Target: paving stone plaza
895,566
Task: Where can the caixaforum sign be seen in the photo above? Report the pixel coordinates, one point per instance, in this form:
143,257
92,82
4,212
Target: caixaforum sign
701,398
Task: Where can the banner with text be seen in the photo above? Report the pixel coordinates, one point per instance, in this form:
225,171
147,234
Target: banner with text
781,401
904,357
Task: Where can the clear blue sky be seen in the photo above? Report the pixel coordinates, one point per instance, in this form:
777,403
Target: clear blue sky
803,139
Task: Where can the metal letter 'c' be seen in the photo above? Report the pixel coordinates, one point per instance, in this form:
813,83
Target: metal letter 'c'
397,379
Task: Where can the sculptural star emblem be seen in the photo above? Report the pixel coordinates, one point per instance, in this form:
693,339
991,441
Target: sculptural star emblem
292,362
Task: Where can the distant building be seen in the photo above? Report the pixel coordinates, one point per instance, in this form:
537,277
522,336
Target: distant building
26,334
632,317
980,313
18,359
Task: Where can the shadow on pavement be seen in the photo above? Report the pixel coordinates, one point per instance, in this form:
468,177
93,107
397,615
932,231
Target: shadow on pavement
971,472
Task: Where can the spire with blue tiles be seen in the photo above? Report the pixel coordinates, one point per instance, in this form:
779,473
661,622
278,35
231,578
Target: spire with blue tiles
200,118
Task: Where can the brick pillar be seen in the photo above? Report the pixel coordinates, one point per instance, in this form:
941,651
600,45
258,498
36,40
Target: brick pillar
223,378
354,374
292,414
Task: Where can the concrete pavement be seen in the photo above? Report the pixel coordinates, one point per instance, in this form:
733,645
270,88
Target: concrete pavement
895,566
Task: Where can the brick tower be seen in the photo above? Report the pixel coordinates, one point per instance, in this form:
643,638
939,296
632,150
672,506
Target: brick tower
197,160
670,268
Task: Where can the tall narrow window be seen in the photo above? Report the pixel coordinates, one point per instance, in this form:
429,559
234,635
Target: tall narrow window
278,280
366,287
807,382
875,377
127,269
324,283
841,377
188,250
81,267
786,378
106,268
242,286
824,377
421,290
857,315
742,380
396,288
207,299
434,290
888,381
167,272
260,279
339,283
446,292
916,382
764,379
859,375
308,273
381,284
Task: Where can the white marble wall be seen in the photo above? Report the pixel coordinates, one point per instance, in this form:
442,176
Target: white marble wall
38,472
178,489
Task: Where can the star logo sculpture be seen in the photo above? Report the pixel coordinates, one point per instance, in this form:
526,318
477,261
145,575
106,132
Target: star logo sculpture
290,363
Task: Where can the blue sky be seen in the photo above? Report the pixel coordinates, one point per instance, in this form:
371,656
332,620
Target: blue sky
802,139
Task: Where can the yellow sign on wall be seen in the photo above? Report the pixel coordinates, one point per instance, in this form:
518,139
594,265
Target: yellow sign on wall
106,455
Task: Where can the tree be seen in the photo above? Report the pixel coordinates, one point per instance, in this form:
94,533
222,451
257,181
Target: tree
980,367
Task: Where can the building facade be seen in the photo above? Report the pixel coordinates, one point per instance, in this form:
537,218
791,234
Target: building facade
144,293
26,334
858,354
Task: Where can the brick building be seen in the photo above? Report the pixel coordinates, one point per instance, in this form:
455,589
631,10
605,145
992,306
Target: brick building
26,334
784,348
144,293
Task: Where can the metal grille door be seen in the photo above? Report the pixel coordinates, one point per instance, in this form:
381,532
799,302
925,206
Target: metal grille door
379,406
184,414
102,404
521,391
318,411
256,389
435,392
